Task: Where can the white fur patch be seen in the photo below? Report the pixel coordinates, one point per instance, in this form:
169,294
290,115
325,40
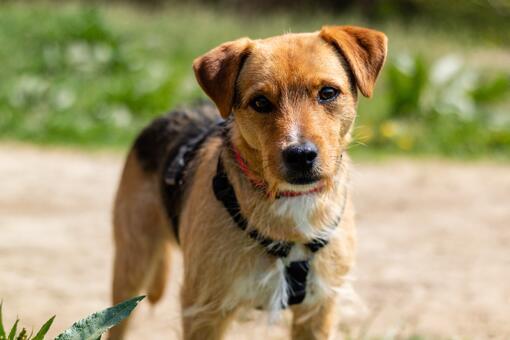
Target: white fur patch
299,208
266,289
293,134
280,293
298,253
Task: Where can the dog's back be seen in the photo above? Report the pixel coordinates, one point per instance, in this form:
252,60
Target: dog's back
162,138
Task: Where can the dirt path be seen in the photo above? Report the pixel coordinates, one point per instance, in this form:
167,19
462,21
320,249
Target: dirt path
434,254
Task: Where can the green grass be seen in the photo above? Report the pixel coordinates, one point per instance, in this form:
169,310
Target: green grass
93,76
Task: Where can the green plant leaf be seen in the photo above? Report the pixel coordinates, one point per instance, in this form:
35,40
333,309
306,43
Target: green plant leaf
2,330
14,328
93,326
491,90
408,79
44,329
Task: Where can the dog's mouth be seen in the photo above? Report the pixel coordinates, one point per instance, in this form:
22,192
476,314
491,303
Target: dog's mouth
299,177
301,184
303,179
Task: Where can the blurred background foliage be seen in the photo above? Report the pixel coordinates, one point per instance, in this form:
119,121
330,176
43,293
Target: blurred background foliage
93,73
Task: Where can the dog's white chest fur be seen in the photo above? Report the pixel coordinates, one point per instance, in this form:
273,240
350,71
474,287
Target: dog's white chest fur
264,285
299,209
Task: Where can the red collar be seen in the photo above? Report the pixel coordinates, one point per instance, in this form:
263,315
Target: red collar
261,184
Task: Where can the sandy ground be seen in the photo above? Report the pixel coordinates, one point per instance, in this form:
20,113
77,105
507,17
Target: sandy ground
434,256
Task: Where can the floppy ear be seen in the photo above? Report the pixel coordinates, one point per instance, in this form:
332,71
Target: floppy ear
363,49
217,71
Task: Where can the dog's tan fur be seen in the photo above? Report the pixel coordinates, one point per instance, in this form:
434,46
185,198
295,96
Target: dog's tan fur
224,270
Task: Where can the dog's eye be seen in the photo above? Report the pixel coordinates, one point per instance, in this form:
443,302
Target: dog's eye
327,93
261,104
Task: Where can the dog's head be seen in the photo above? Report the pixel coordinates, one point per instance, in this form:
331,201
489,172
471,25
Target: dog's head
293,98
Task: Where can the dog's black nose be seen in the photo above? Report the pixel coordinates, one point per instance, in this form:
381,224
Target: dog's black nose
300,157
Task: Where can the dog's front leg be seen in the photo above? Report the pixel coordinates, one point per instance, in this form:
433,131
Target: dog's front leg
313,322
203,321
205,325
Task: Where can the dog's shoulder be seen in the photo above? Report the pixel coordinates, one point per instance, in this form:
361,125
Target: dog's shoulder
164,135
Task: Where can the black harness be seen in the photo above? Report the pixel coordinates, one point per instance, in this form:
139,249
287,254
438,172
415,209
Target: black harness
174,177
296,272
175,173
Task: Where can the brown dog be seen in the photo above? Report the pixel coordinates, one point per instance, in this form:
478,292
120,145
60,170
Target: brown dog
258,203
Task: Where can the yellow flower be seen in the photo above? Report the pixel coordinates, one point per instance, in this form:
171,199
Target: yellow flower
388,129
405,143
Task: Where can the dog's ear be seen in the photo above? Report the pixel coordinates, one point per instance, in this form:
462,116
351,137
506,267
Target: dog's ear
363,49
217,71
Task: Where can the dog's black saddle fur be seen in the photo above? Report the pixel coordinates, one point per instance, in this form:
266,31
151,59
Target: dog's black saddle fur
167,147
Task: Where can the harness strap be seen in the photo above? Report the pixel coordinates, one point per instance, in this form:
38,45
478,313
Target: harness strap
225,193
296,274
174,175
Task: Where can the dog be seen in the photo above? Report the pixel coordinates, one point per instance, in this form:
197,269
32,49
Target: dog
257,196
